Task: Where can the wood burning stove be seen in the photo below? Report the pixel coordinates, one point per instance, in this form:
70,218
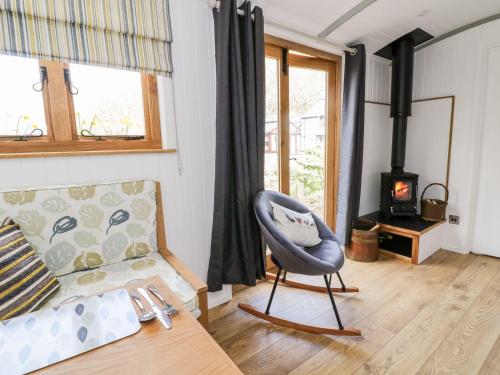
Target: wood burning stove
398,193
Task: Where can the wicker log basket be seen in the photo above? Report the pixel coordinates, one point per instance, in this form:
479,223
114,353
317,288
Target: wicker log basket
434,209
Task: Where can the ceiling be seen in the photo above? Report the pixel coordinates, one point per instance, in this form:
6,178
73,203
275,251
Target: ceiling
381,22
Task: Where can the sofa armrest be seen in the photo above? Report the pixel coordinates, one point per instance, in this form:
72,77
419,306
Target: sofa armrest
184,271
188,275
198,285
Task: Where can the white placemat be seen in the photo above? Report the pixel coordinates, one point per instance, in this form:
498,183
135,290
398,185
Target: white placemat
36,340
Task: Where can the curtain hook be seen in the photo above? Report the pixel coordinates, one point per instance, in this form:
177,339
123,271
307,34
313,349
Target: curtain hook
67,80
218,5
40,85
353,51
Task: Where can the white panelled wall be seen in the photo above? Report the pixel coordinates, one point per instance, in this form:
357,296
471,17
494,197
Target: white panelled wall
378,128
188,198
456,66
378,79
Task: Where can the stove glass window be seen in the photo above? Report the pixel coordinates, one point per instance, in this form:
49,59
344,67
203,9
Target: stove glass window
402,190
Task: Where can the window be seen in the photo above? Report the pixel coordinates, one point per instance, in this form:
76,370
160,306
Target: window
49,106
109,101
21,108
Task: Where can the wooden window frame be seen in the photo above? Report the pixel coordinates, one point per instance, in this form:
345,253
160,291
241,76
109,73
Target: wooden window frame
62,137
332,64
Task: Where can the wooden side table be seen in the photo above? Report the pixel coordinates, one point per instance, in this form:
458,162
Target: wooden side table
185,349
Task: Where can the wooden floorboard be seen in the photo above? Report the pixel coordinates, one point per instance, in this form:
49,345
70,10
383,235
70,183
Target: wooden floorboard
381,324
439,317
414,344
492,363
467,347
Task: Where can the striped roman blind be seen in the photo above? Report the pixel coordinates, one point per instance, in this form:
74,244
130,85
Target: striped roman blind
126,34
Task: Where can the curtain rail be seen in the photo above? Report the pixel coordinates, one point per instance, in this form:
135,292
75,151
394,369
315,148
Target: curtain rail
217,3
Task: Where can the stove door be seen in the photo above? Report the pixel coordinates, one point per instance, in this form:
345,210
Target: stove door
402,190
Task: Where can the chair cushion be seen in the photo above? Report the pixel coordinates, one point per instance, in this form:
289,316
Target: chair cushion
112,276
25,282
299,227
78,227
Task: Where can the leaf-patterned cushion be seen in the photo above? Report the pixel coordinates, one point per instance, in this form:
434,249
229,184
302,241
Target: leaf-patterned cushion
115,275
81,227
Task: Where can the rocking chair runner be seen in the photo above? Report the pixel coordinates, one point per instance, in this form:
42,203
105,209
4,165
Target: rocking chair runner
324,259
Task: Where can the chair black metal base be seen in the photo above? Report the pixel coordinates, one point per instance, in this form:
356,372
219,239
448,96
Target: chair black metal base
341,331
313,288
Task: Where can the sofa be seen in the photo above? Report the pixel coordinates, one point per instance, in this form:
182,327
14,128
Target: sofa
102,236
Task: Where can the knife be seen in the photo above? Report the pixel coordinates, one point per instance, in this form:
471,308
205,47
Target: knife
164,318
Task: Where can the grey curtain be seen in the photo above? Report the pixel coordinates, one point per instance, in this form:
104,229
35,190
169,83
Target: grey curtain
351,142
237,253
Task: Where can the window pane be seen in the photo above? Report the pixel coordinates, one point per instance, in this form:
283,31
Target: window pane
271,176
21,107
307,137
109,101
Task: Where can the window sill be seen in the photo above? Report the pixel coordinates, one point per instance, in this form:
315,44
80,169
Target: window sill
44,154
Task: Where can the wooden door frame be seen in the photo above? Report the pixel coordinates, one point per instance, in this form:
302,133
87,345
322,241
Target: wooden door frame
278,48
283,119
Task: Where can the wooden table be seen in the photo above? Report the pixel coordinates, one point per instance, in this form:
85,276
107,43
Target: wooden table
185,349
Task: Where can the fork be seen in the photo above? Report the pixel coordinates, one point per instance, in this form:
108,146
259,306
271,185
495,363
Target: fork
167,307
144,315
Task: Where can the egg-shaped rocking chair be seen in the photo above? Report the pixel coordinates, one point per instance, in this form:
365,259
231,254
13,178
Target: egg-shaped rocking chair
324,259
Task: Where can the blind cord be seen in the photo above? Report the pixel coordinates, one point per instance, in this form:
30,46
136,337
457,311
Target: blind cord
178,150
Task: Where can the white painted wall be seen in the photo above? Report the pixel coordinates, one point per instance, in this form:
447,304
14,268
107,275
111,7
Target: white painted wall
378,130
376,155
427,145
455,66
485,235
188,198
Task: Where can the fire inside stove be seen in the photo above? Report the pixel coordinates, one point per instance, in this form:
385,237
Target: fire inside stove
402,190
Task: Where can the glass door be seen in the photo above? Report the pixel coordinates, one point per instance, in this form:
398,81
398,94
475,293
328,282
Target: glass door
272,136
302,109
307,133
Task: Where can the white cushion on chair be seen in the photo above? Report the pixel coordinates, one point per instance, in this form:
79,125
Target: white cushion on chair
300,228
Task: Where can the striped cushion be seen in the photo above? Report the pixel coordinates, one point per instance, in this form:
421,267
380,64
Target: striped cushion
25,282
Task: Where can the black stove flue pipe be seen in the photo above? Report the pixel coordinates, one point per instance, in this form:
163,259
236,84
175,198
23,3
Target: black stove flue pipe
401,97
399,126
